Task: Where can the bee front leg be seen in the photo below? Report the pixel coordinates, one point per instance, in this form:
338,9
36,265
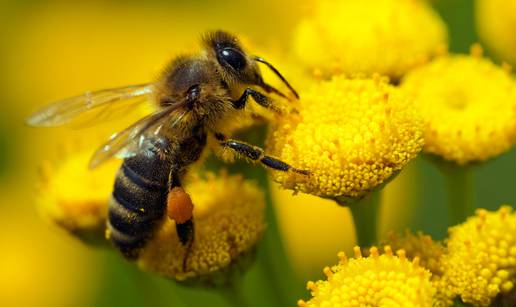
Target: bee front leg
260,98
257,154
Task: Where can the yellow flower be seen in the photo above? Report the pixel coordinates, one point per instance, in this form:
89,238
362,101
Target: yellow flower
77,198
382,36
229,220
377,280
468,104
481,260
351,134
495,19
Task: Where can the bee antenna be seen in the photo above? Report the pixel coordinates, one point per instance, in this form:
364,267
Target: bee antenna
258,59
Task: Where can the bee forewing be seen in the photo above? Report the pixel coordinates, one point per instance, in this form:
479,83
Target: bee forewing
133,139
64,111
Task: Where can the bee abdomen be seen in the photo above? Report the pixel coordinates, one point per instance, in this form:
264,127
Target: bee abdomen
137,205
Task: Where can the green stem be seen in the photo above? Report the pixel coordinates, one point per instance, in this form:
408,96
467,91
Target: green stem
234,295
460,189
365,216
275,260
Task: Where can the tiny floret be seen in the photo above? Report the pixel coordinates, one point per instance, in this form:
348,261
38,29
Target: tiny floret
468,105
350,134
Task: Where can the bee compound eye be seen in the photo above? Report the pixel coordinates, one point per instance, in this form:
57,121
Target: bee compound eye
232,57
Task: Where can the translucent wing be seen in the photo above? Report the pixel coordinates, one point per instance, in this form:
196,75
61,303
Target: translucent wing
104,102
138,137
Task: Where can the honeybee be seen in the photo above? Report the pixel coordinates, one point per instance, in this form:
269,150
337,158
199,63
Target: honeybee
195,96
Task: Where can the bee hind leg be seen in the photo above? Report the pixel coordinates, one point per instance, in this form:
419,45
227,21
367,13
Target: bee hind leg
186,233
257,154
180,209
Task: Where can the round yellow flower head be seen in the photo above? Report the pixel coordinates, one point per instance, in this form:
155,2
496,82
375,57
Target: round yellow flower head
377,280
381,36
468,105
229,221
481,260
351,135
495,19
75,197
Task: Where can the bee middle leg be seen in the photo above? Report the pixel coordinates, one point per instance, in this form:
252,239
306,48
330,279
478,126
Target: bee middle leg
257,154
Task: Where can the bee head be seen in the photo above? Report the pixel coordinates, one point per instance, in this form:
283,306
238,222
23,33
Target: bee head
234,63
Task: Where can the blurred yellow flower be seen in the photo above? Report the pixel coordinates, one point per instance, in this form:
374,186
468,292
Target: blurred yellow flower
468,105
229,220
381,36
377,280
481,260
351,134
75,197
495,20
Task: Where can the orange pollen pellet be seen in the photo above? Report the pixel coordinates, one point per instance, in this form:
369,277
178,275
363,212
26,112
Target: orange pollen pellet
179,205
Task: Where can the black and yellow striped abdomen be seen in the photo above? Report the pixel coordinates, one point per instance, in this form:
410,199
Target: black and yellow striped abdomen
138,202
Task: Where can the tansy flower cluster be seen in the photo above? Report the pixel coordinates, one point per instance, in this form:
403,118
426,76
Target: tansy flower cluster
382,36
351,134
477,262
468,105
